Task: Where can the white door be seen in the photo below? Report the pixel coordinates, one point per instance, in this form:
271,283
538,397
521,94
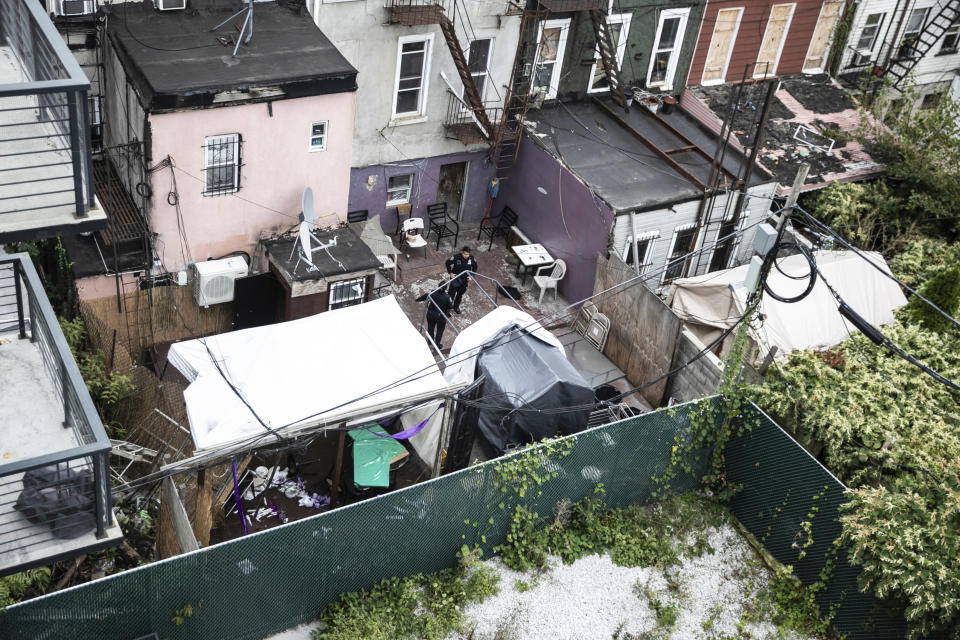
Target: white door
816,59
773,38
721,46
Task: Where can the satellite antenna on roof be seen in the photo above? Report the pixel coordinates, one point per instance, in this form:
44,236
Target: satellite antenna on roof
305,237
306,213
246,28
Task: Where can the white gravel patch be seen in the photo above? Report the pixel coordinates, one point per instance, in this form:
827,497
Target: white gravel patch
595,599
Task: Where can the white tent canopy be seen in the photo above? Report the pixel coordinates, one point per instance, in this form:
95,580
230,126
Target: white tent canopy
463,354
718,299
297,375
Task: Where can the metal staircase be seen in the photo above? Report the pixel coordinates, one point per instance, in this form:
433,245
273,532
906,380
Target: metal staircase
900,66
421,12
608,55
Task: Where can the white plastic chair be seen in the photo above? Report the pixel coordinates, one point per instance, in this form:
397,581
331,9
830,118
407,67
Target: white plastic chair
557,270
412,234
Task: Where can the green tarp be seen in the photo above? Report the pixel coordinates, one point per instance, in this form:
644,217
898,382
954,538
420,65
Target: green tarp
372,455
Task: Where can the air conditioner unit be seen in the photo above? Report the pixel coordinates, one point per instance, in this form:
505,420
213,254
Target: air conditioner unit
170,5
862,57
77,7
213,279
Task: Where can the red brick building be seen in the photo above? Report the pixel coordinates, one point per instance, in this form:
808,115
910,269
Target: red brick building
764,37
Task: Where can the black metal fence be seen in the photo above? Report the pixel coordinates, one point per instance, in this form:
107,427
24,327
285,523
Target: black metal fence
45,148
72,480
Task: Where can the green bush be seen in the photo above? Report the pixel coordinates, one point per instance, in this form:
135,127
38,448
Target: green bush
943,290
15,587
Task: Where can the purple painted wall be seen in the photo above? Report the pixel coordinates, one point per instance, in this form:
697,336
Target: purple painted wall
368,187
567,219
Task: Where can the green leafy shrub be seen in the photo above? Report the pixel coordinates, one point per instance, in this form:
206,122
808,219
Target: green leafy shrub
107,388
15,587
428,607
943,290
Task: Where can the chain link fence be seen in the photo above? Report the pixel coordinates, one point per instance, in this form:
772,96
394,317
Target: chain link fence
261,584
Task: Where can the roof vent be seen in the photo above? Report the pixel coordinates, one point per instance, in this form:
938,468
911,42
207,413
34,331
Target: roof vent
170,5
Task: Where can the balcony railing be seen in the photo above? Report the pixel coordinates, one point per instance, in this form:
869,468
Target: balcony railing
46,175
411,13
55,481
461,122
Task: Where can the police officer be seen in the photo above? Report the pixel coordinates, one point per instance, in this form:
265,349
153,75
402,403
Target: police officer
437,309
456,265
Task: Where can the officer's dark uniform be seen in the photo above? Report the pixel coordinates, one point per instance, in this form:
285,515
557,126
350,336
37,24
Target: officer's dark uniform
458,285
437,312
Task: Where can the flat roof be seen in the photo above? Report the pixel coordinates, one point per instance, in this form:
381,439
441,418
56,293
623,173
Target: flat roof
618,166
352,253
177,61
812,101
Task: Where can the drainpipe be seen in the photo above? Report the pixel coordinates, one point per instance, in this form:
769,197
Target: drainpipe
633,241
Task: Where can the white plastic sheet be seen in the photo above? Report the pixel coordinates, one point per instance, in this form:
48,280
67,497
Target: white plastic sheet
304,372
463,354
718,299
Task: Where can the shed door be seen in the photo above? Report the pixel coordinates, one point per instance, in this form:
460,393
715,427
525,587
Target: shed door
721,44
773,38
820,42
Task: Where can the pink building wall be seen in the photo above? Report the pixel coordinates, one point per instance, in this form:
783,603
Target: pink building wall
276,166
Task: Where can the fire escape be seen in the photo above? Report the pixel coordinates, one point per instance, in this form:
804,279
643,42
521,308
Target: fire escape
911,50
470,120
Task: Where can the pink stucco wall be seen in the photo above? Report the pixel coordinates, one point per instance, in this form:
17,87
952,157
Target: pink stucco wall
96,287
277,165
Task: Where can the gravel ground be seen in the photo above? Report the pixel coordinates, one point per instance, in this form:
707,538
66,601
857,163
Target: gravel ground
595,599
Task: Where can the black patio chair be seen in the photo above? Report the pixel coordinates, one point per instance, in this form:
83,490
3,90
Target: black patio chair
357,216
497,226
442,224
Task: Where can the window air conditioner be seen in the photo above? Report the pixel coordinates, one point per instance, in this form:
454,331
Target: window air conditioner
213,279
862,57
77,7
170,5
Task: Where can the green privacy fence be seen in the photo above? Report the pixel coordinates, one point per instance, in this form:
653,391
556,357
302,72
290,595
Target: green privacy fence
261,584
790,503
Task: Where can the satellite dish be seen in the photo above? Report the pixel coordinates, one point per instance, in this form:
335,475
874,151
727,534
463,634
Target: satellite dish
307,209
305,241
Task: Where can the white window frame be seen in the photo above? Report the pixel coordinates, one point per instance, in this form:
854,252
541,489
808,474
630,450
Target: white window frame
485,73
356,290
393,201
421,111
955,28
650,237
227,138
769,73
684,15
311,147
673,244
858,59
734,242
926,14
623,19
89,8
564,26
730,48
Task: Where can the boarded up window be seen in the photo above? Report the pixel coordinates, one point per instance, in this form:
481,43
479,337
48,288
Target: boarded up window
721,44
820,42
773,38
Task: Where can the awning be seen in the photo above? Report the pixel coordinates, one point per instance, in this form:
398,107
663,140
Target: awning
718,299
303,374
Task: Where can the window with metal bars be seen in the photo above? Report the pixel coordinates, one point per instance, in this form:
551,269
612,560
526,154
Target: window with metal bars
683,239
347,293
221,164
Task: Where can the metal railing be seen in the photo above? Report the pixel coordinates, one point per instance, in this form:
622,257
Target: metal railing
461,120
415,12
80,473
46,161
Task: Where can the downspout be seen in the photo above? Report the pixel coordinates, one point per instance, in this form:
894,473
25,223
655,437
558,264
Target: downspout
633,242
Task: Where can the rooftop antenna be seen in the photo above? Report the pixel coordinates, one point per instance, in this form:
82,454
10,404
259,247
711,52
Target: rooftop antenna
248,21
305,237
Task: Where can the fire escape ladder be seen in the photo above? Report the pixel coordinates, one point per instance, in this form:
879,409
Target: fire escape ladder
908,54
507,143
470,88
607,49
